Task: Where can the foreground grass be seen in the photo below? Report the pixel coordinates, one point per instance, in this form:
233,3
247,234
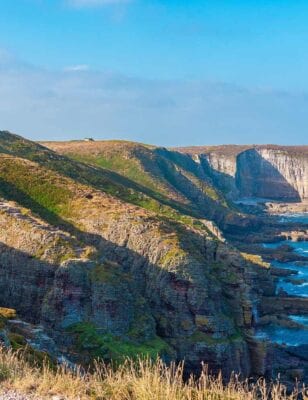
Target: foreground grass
141,380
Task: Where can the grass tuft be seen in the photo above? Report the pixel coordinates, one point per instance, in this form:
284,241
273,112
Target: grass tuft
255,259
7,313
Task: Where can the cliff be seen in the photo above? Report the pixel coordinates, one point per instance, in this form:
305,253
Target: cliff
108,278
280,174
275,172
117,248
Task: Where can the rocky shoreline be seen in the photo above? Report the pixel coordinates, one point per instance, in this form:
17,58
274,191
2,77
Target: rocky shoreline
279,312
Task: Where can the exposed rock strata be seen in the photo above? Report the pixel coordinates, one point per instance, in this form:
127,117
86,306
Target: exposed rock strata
140,279
272,173
276,172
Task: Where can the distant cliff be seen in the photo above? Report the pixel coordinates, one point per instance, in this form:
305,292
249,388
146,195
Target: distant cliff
275,172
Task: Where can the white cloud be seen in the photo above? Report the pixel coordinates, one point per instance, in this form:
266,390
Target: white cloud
95,3
72,103
77,68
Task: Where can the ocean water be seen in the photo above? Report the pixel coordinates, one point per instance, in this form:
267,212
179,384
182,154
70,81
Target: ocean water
276,333
301,274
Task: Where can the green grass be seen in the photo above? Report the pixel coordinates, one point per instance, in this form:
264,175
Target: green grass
42,192
109,347
160,180
130,168
33,187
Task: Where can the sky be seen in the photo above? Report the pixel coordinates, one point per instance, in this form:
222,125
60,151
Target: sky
171,73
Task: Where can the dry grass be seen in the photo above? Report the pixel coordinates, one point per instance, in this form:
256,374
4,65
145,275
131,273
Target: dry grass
142,380
7,313
255,259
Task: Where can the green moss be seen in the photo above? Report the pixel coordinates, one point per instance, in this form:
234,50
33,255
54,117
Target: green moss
67,256
63,250
109,347
199,336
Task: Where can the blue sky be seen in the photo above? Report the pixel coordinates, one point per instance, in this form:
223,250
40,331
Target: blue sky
162,72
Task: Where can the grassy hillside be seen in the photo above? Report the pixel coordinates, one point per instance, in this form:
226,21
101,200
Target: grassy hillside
168,183
31,172
170,177
154,168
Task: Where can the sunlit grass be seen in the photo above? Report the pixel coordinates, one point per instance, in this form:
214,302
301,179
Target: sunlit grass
133,380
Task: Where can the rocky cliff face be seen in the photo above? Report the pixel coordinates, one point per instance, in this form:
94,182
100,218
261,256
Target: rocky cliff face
188,299
277,172
107,278
113,267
